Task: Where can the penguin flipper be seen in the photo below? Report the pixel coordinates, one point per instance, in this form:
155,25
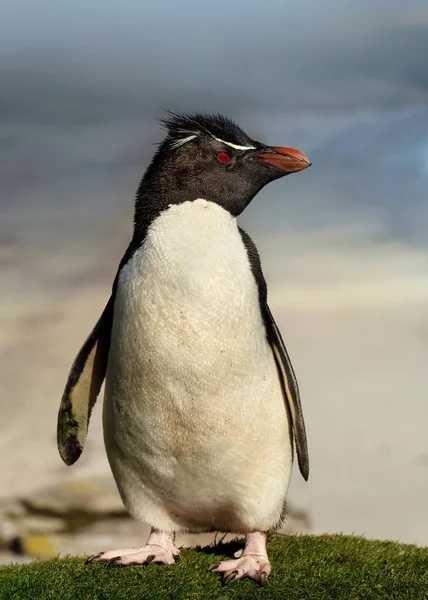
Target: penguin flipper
291,392
82,388
285,369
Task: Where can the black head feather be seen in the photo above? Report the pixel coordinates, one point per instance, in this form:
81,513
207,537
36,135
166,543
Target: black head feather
186,166
180,126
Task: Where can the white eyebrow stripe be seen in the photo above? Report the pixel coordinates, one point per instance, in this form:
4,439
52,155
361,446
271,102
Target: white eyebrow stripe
179,143
234,145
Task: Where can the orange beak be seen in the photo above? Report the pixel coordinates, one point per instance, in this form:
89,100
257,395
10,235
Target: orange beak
286,159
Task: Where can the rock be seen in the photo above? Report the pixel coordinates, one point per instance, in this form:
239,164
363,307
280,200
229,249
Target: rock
75,544
105,534
13,508
97,496
8,531
89,538
13,527
40,524
88,542
36,546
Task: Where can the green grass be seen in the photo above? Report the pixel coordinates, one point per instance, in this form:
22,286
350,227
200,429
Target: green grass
304,567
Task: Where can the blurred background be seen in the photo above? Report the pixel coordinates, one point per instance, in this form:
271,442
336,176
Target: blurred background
344,245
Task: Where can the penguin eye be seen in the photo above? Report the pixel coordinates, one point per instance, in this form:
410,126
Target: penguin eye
223,157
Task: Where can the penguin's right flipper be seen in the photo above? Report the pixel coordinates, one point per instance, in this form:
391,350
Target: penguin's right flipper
82,388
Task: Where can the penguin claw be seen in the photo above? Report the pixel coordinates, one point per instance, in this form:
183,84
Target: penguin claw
230,577
253,566
91,559
113,561
263,577
136,556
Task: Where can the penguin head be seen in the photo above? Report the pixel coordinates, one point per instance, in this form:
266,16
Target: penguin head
210,157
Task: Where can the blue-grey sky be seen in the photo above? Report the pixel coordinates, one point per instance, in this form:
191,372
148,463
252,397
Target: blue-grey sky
346,81
335,54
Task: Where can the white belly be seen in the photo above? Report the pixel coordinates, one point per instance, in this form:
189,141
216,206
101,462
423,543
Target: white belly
195,425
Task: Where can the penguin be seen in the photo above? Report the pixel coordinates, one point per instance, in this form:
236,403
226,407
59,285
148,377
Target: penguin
201,402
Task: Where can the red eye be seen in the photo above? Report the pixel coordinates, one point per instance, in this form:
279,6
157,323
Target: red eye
223,157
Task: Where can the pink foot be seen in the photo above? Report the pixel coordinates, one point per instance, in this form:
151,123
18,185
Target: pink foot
251,562
159,549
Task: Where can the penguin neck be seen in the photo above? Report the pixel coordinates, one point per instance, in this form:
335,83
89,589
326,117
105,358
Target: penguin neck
154,197
159,189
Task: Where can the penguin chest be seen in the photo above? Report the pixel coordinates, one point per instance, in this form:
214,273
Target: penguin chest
190,372
187,323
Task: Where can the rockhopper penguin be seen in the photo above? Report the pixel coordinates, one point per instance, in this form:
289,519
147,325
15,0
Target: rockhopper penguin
201,401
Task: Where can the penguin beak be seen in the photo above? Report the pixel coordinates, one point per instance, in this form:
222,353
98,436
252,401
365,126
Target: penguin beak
288,160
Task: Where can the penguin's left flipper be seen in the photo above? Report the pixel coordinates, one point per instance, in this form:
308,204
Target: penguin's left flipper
291,392
283,362
83,386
